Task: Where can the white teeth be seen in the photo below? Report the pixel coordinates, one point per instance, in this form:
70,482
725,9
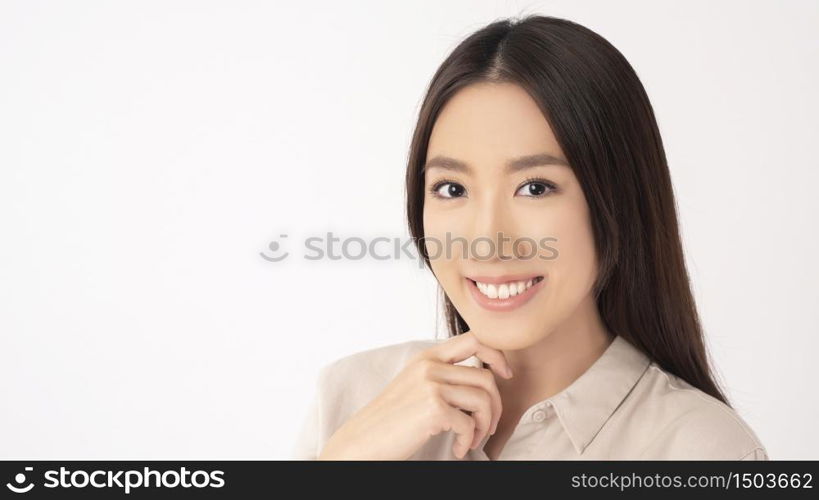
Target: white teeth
505,290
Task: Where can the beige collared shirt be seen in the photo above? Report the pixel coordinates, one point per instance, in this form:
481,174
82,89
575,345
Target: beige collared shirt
624,407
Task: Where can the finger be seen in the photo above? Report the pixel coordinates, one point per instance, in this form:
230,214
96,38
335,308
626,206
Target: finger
465,345
476,377
474,400
495,358
463,426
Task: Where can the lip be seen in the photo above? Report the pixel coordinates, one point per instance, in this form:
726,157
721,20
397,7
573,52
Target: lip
510,303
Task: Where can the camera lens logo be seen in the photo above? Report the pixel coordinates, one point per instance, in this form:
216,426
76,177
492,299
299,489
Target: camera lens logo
20,478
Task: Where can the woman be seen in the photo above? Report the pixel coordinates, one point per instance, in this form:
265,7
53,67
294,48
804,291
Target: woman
539,195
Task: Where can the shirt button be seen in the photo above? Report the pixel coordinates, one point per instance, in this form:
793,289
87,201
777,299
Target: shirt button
539,416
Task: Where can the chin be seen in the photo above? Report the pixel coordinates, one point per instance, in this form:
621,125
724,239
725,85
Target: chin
506,335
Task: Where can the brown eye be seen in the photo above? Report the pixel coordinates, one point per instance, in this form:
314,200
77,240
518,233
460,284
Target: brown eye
448,190
535,188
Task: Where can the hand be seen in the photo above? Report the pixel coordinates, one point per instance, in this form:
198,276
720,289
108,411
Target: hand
429,396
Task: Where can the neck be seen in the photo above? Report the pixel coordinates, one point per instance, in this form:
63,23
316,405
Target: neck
564,354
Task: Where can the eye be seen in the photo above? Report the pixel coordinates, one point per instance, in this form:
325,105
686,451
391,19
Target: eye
536,188
447,189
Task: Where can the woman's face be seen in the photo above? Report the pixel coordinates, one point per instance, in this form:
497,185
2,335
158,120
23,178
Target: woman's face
496,177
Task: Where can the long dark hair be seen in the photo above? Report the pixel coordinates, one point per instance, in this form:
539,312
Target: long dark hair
605,125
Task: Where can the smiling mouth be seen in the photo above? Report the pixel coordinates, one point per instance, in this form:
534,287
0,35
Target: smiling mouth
502,291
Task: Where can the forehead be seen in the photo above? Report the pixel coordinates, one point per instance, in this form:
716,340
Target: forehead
485,123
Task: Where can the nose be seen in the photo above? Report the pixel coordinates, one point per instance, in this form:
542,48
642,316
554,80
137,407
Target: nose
493,231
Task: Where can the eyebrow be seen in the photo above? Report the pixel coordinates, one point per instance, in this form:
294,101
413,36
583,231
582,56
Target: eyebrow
513,165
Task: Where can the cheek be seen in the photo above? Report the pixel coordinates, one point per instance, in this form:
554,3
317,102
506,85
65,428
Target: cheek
575,267
444,261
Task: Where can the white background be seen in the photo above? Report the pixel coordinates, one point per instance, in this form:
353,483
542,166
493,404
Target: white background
149,151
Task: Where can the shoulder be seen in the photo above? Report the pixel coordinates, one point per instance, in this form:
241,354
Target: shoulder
381,361
349,382
689,423
346,384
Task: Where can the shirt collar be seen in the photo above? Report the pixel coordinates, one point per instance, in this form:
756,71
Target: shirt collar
588,402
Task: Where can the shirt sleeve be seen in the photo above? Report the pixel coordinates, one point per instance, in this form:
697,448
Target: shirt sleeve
307,443
709,431
756,454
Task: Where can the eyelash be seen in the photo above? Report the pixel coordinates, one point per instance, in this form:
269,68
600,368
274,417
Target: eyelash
529,180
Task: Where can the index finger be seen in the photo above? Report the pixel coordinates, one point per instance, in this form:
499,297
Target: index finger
465,345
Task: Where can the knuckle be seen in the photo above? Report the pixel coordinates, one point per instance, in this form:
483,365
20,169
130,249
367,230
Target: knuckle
472,428
487,376
417,357
434,391
438,415
425,367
